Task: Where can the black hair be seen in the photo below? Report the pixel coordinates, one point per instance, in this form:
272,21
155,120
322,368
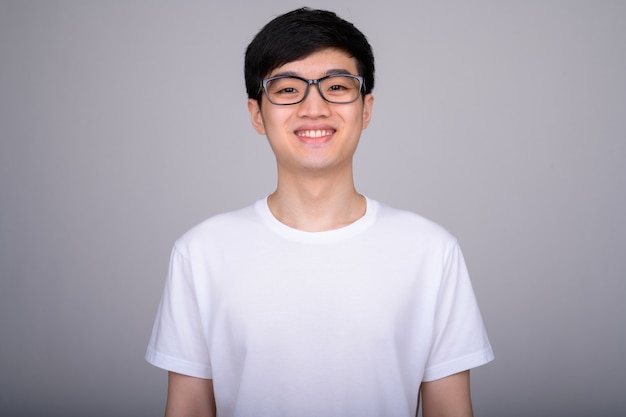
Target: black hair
298,34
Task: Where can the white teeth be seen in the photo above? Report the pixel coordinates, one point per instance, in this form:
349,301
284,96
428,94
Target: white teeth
314,133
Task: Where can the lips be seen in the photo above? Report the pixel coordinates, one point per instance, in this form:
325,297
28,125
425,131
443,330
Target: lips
314,134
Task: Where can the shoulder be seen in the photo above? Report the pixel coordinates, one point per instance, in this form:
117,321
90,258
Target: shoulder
410,225
219,230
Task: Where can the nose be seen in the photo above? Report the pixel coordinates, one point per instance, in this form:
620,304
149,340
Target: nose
313,104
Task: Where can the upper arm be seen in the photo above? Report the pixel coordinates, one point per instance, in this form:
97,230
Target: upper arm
447,397
188,396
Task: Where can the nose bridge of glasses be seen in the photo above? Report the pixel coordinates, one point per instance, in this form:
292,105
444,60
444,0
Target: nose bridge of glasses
319,89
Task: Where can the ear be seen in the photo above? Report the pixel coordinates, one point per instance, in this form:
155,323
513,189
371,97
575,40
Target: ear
368,104
255,116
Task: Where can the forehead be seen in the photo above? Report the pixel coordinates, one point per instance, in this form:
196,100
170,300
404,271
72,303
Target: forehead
319,64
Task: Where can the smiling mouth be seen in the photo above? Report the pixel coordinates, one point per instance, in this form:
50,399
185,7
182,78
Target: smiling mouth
314,134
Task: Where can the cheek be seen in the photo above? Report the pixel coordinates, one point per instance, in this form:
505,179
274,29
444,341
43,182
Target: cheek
357,119
276,119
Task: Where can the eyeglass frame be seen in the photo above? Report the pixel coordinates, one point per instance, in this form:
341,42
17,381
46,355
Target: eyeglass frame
308,84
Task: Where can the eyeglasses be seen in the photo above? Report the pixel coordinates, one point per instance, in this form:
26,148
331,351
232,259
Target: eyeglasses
285,90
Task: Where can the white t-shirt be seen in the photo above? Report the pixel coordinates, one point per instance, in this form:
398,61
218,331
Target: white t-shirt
346,322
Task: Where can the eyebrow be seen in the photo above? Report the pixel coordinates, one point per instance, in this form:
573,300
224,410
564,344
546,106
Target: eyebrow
334,71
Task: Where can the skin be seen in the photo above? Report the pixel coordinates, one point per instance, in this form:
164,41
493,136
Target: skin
316,192
447,397
189,397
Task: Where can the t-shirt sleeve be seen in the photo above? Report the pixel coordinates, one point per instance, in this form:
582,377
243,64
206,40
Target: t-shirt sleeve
460,341
178,341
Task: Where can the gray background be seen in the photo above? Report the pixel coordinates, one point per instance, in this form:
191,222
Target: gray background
124,123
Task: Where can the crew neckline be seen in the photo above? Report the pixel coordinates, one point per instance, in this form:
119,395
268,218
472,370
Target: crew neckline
326,236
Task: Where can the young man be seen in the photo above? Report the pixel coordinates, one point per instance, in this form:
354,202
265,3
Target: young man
316,301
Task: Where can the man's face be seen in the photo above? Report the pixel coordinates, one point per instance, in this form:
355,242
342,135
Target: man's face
313,135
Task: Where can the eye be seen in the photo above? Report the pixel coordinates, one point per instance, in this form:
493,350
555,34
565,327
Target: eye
337,87
286,88
341,86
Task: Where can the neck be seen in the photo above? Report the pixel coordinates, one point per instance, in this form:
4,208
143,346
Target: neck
316,203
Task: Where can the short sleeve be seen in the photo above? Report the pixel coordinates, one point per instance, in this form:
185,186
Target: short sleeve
178,342
460,341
